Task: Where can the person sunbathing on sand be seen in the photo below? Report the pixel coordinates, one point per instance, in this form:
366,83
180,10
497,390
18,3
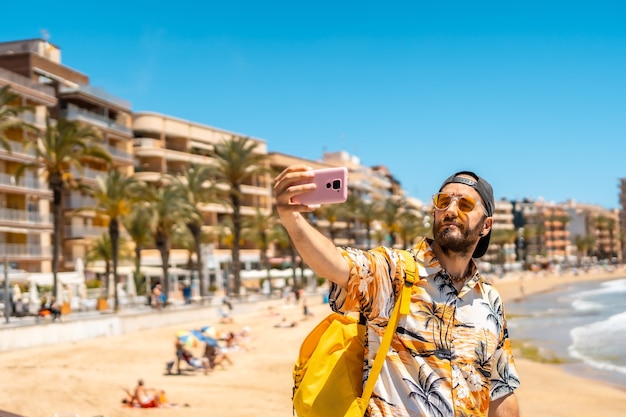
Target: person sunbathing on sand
144,397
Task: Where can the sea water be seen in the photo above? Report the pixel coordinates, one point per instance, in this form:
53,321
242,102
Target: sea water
583,323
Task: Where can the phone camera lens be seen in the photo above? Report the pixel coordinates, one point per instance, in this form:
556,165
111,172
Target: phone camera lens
336,184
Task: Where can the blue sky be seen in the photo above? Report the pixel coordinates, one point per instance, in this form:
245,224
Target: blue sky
531,95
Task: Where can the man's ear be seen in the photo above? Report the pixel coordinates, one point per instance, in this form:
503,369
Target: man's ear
487,226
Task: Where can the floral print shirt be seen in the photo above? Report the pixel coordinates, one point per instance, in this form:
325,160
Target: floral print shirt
450,356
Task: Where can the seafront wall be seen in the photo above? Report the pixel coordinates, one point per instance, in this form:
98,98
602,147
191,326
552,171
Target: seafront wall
19,335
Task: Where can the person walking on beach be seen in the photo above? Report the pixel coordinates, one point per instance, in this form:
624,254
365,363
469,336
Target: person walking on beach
157,296
451,354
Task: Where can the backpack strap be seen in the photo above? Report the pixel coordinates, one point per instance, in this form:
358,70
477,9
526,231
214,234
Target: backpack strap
409,280
401,307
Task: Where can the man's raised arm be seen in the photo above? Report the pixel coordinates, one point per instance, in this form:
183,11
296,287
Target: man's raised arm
316,250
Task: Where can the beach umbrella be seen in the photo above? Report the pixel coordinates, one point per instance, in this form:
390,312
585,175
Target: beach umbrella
188,338
211,341
209,331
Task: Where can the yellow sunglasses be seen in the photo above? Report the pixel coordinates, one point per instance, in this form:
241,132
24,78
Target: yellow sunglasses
464,203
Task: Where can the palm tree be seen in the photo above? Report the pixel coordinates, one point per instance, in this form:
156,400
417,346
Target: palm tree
331,213
410,226
390,213
258,229
500,238
170,209
281,238
101,250
61,152
182,239
139,225
9,116
583,244
114,197
197,190
237,161
612,244
367,213
533,235
351,212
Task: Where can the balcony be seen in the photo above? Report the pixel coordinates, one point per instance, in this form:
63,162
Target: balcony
19,152
78,201
34,119
119,153
148,143
145,147
147,176
95,92
88,173
74,112
25,217
44,92
27,251
27,183
83,231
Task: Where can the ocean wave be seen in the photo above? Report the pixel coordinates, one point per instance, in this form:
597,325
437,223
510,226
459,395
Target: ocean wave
586,306
607,287
601,344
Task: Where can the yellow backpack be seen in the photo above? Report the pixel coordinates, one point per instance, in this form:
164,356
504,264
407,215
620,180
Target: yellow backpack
328,373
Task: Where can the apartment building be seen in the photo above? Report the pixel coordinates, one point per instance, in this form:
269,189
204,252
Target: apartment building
169,145
25,219
503,236
568,232
594,232
72,97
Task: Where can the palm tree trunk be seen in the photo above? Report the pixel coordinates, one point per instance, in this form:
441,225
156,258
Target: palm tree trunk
56,184
114,233
105,285
265,261
196,232
162,243
237,237
292,251
137,274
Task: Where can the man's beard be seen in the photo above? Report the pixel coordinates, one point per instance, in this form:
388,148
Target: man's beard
451,242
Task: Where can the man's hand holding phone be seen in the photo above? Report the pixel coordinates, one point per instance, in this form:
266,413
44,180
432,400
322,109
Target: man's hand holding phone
331,186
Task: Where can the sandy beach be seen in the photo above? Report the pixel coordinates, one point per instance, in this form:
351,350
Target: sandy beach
87,378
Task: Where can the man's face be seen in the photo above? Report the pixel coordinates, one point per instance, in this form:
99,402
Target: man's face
456,231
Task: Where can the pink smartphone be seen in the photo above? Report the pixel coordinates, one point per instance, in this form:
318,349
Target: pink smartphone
332,187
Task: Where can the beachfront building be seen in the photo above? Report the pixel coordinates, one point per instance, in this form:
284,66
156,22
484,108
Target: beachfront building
567,233
603,225
68,94
543,232
25,217
594,233
501,252
168,145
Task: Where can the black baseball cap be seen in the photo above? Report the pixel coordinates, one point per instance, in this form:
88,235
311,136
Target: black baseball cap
485,191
